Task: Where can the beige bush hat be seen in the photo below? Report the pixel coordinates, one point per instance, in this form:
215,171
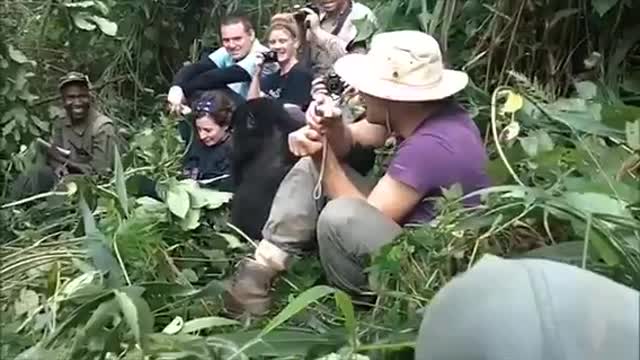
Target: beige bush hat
402,66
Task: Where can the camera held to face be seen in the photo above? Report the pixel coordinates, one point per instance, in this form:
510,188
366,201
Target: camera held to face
334,84
300,15
270,56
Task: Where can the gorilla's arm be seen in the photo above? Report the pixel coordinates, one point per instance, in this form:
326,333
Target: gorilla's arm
206,75
216,79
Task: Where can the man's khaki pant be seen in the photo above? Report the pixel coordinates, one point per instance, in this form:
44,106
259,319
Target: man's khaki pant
345,230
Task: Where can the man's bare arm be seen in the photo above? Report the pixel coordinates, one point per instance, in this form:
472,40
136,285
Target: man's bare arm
393,198
343,137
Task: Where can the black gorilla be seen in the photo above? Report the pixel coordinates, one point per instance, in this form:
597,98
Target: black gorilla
261,159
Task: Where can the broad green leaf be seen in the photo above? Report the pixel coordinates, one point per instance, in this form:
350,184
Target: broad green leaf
530,145
232,240
206,323
42,125
136,312
174,326
536,143
545,143
208,198
296,305
178,201
106,26
578,116
97,248
80,4
80,315
164,289
101,317
189,275
38,352
78,283
514,102
17,55
603,6
80,20
121,188
601,185
511,131
283,343
604,246
365,29
212,289
9,127
568,252
27,302
587,90
102,7
346,307
596,203
633,134
617,115
191,220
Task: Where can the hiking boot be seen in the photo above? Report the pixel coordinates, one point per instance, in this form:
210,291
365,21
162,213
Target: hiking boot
248,289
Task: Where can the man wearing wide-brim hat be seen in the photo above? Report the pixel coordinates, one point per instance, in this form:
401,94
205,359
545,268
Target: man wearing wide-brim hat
408,94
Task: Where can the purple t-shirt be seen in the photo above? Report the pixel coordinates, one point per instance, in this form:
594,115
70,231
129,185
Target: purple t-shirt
444,150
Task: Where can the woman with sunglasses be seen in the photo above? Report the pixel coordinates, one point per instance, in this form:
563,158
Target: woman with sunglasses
208,159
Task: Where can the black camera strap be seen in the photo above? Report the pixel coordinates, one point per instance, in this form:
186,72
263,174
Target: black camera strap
342,18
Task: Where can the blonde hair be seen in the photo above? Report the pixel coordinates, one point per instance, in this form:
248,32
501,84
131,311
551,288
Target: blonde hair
284,21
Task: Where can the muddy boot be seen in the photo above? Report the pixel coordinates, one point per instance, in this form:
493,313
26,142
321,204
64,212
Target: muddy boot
248,289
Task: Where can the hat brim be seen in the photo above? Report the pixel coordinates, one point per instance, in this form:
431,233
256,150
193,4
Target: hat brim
357,71
72,81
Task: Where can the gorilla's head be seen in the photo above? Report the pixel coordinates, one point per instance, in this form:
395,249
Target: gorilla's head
261,125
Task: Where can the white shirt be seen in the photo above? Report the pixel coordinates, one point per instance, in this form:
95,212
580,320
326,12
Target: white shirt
223,59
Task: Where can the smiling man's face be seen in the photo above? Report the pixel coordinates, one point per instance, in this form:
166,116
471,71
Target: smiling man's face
236,40
76,101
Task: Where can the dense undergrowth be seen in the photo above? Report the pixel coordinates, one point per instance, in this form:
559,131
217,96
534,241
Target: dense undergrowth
91,272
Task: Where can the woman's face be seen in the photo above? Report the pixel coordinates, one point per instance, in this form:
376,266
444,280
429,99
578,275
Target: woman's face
209,132
283,44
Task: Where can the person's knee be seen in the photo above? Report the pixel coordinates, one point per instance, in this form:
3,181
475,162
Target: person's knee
337,217
304,164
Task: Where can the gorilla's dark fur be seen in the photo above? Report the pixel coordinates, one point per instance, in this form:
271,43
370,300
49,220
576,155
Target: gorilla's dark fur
261,159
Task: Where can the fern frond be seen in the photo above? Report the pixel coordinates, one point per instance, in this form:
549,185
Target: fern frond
531,87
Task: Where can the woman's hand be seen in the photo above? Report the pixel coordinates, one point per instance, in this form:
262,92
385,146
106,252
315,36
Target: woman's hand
259,62
305,142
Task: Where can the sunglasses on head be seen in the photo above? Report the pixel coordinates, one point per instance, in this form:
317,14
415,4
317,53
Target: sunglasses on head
205,107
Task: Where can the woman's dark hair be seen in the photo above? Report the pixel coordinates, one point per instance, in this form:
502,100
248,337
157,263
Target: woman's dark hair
216,104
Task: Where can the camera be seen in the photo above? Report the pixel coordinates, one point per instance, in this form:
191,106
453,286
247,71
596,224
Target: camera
334,84
270,56
300,15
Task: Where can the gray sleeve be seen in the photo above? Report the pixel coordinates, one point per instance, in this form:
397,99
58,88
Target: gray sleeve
530,310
